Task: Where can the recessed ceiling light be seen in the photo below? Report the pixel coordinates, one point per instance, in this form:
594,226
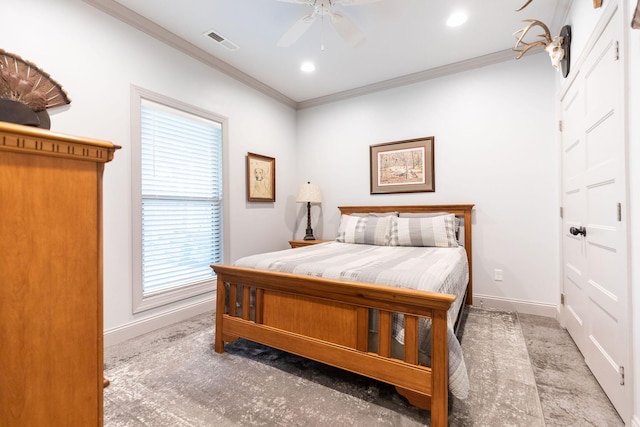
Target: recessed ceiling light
308,67
457,18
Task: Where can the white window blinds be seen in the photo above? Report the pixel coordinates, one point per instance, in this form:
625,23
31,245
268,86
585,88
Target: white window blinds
181,192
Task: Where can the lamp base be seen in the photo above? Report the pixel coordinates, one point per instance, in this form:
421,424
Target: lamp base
309,230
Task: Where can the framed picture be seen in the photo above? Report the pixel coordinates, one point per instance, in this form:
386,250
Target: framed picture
402,166
261,178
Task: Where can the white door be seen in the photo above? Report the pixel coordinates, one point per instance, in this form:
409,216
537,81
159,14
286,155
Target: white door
573,206
595,277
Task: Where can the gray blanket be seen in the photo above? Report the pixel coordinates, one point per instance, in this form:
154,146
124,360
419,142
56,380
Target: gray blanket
442,270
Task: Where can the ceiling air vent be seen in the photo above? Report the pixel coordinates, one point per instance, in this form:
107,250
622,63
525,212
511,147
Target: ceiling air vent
221,40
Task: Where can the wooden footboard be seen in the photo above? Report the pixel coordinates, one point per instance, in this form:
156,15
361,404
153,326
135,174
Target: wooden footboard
328,321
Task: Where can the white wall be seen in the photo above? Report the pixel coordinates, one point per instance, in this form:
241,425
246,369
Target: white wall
494,131
583,18
97,59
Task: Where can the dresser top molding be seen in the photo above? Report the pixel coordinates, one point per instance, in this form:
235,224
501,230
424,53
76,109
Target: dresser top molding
27,139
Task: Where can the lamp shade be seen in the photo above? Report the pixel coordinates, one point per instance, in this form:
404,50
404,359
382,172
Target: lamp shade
309,193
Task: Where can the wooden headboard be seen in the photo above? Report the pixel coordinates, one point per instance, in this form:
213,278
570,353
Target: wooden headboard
460,210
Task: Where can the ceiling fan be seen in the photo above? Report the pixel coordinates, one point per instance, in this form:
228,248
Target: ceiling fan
343,25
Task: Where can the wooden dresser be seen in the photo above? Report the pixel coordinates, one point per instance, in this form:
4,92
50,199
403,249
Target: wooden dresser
51,352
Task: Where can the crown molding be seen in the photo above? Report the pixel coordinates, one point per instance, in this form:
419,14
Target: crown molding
145,25
433,73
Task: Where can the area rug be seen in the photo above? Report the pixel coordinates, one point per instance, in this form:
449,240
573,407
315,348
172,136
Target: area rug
172,377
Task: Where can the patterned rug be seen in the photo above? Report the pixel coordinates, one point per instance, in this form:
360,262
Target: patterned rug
172,377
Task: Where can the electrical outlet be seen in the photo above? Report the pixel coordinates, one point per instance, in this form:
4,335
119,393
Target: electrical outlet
497,275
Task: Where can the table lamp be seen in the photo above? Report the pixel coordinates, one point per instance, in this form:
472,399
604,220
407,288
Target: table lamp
309,193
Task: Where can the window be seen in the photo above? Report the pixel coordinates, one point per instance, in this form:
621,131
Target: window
177,200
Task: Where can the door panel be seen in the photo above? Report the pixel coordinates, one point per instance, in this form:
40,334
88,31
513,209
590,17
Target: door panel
596,284
601,66
573,162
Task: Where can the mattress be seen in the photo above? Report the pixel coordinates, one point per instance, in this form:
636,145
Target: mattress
441,270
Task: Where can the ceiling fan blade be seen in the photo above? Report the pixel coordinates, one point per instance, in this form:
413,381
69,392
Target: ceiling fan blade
346,29
297,30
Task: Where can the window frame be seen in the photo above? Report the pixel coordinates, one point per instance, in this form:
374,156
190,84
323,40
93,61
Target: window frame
141,301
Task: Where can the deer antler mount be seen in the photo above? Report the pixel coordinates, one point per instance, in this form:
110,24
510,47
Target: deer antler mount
557,47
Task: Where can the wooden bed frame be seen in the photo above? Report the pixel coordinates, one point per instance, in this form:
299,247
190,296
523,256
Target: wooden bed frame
328,320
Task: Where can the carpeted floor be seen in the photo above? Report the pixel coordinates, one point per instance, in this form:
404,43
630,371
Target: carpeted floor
172,377
569,393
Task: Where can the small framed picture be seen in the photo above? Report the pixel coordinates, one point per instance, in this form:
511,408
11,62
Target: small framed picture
261,178
402,166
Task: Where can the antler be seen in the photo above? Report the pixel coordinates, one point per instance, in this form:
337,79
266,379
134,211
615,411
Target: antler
523,6
528,46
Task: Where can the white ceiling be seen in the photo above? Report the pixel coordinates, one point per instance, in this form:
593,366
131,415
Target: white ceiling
404,39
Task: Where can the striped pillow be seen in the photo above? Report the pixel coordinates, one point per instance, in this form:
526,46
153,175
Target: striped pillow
368,230
438,231
458,221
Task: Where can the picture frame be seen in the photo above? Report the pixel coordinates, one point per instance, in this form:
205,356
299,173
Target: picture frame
261,178
403,166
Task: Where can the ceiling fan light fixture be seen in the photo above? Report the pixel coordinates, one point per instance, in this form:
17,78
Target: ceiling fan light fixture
340,22
457,18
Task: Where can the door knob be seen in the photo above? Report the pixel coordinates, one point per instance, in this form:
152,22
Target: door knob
579,230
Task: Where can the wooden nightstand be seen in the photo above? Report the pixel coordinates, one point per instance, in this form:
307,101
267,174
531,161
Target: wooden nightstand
300,243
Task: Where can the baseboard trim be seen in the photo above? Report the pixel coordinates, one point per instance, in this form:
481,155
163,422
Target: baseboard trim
521,306
139,327
149,324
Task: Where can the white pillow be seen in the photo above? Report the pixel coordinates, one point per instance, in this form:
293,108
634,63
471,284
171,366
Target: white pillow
368,230
438,231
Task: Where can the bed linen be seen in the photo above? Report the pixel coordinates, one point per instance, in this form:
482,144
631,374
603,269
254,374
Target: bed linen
442,270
